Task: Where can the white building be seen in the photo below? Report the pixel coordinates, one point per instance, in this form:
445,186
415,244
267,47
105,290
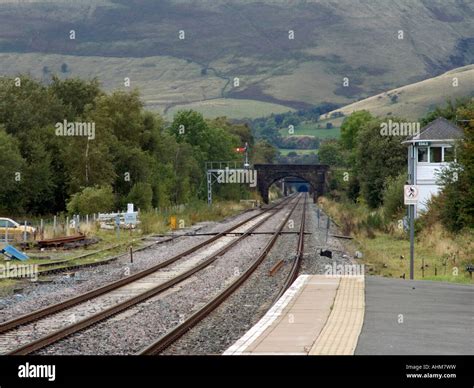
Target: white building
433,149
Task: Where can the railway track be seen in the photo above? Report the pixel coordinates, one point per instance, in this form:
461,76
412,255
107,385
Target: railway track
61,265
177,332
58,321
296,265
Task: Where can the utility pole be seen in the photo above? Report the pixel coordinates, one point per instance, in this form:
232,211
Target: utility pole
411,209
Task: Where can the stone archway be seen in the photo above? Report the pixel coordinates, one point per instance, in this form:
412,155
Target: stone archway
314,174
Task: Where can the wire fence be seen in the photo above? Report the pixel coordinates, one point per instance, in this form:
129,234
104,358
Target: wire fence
63,225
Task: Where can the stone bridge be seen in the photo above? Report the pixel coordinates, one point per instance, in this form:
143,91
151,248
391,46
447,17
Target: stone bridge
315,174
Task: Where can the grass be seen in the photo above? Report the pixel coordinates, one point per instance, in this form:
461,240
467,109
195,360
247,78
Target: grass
311,129
247,39
445,255
415,100
7,286
382,257
232,108
286,151
152,223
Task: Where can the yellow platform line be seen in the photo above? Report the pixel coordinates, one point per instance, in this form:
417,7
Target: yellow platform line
342,329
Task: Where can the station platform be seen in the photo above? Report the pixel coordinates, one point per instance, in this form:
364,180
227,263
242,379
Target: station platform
316,315
346,315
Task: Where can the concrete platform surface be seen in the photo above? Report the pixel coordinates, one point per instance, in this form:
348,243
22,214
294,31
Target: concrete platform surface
406,317
303,315
321,315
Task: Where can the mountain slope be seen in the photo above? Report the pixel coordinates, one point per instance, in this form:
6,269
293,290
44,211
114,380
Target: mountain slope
247,40
415,100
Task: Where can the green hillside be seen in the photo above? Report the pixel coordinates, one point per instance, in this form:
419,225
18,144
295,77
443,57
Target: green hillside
246,40
415,100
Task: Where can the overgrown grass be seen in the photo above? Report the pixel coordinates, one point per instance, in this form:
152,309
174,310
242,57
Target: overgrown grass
311,129
193,213
7,286
386,247
151,223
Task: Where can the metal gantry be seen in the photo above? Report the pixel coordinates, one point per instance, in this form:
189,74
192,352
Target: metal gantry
215,168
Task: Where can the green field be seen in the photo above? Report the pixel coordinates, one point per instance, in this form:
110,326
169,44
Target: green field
286,151
311,129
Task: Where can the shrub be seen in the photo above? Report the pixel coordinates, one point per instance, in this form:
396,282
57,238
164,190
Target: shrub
141,195
92,200
151,222
393,195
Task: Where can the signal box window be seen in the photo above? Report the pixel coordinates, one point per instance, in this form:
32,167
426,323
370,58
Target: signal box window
423,154
436,154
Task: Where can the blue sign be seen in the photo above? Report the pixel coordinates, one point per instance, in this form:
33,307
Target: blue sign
13,253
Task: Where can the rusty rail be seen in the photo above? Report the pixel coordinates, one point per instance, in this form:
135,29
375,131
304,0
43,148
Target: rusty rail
295,268
35,315
276,267
174,334
107,313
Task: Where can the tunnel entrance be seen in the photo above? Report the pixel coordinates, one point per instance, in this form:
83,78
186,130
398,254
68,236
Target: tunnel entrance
313,177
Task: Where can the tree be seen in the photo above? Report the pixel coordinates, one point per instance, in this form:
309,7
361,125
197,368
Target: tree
27,107
393,195
189,126
242,131
141,195
263,152
88,162
76,94
132,165
455,204
350,127
448,111
11,169
377,157
38,179
331,153
119,114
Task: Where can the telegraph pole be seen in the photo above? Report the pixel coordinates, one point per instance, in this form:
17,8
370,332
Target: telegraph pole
411,209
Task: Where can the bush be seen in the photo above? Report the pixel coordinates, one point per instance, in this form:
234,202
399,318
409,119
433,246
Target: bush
393,195
374,221
92,200
141,195
151,222
353,189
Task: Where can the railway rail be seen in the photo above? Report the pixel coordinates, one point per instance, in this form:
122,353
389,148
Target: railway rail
177,332
48,323
296,265
61,265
